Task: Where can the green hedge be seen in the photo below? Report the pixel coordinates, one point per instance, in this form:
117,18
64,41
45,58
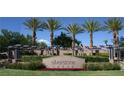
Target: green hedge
95,59
102,66
31,58
26,66
93,66
28,53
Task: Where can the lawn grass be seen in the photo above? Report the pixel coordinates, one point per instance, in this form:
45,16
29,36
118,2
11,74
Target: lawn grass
11,72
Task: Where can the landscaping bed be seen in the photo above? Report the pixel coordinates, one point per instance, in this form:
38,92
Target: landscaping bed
33,62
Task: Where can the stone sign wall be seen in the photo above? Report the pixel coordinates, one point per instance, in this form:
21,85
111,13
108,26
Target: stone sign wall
64,62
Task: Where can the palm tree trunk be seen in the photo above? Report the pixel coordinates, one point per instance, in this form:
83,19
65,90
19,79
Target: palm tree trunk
115,39
73,45
33,37
51,41
91,40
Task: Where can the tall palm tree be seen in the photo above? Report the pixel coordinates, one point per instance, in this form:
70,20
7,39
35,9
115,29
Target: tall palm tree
91,26
114,25
73,29
34,24
52,25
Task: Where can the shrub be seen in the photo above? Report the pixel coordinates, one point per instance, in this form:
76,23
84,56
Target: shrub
95,59
94,66
35,66
31,58
28,53
102,66
108,66
26,66
116,66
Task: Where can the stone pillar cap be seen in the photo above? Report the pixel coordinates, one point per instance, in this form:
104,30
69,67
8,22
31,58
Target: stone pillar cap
10,46
18,45
25,46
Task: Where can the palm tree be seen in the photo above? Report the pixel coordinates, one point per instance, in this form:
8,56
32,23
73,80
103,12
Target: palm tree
73,29
114,25
52,25
106,42
34,25
91,26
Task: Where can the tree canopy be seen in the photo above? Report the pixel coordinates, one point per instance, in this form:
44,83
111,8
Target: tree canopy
121,42
64,41
8,38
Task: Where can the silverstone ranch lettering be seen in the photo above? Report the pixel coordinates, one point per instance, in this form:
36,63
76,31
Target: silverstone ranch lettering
55,62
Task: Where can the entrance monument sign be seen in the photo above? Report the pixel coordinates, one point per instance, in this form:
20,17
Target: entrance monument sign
64,62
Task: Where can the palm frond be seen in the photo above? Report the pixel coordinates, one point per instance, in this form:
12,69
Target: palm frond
113,24
51,24
92,26
34,24
74,29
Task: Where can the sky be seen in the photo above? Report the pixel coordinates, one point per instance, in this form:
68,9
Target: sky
16,24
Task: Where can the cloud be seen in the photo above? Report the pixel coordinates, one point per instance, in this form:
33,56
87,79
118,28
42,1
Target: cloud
45,41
